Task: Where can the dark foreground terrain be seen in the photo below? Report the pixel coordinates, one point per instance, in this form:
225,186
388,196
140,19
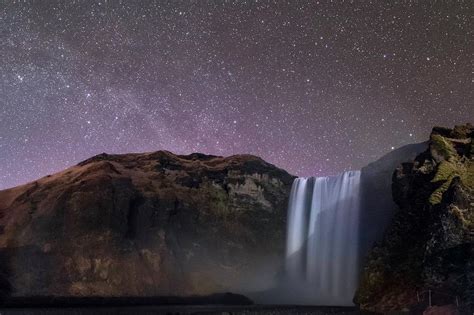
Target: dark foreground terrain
220,303
186,309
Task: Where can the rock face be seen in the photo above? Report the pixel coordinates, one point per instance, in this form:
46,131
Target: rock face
378,207
429,244
145,225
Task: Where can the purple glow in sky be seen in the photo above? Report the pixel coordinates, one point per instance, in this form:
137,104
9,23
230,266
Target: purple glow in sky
313,87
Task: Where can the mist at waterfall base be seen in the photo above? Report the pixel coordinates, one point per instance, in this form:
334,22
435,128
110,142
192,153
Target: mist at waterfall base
332,224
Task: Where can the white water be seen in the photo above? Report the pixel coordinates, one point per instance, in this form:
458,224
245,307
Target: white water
322,246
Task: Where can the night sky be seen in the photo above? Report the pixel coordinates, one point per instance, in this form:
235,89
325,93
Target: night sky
313,87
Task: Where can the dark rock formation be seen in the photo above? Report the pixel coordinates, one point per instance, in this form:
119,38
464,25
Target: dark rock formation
145,225
377,205
430,242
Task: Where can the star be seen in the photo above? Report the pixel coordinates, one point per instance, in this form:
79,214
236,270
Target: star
314,88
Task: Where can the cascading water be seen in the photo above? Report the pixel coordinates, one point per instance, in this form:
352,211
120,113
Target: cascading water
322,257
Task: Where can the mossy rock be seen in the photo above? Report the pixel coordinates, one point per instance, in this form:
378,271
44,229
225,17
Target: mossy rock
443,147
451,165
436,215
446,172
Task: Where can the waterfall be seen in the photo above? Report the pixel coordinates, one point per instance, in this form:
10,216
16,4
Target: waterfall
322,257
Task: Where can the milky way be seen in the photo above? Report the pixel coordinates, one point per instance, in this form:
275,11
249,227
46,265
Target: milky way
313,87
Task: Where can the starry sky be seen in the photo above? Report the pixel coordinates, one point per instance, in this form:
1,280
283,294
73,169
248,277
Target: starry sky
314,87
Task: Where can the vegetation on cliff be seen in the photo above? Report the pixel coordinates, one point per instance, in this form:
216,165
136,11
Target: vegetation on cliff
430,242
149,224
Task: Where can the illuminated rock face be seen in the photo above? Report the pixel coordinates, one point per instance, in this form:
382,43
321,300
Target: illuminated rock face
145,224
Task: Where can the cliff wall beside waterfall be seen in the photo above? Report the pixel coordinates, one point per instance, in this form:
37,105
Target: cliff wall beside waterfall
429,244
145,224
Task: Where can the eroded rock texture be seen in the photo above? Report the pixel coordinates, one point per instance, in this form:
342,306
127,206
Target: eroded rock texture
143,225
430,242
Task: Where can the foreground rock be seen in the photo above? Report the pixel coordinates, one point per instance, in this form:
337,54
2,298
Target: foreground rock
145,225
430,242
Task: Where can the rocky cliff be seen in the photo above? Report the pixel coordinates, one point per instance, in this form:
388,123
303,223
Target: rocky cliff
429,244
145,225
377,202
